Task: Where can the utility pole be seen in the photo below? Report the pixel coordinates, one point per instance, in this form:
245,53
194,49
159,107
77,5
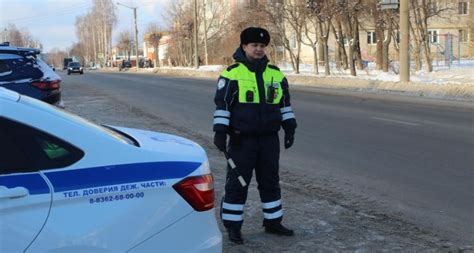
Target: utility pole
136,36
136,31
404,42
206,60
196,55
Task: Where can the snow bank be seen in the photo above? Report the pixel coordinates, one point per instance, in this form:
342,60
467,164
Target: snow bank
454,82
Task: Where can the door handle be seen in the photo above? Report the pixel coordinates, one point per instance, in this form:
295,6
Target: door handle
11,193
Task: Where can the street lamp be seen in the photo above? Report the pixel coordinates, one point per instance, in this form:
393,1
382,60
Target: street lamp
136,30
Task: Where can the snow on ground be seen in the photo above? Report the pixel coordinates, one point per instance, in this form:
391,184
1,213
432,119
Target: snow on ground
454,82
459,73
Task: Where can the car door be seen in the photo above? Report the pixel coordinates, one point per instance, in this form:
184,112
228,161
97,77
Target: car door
25,192
25,197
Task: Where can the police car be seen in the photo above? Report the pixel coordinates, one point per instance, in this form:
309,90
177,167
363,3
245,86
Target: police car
68,185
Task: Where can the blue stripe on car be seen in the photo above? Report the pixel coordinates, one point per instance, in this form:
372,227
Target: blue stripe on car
31,181
68,180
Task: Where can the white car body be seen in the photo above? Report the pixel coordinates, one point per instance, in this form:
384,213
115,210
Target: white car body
116,198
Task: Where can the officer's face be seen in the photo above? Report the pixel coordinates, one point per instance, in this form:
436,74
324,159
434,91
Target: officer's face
254,51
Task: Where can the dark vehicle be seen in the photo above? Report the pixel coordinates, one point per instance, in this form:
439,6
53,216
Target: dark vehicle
75,67
66,62
127,64
22,70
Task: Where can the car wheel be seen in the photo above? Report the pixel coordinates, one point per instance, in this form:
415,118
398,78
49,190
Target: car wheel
68,73
82,72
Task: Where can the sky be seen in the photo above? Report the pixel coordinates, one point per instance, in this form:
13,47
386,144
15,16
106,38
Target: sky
52,21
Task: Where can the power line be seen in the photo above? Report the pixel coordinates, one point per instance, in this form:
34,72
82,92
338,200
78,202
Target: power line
51,14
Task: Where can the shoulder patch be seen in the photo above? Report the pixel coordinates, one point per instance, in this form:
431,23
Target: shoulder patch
273,67
233,66
221,83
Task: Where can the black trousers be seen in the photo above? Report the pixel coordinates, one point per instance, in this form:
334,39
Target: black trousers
262,153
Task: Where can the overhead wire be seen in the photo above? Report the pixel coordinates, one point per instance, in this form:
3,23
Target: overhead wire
48,15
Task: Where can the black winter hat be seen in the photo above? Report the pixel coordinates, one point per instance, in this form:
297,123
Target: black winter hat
255,35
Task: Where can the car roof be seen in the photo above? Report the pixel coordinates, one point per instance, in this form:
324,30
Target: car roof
19,50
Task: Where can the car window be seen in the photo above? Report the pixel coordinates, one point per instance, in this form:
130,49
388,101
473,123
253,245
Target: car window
4,68
27,149
15,67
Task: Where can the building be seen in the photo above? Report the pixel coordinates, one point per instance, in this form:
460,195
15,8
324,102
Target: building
450,34
149,50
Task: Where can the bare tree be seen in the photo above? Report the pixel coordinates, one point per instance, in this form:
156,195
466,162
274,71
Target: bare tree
125,41
421,12
348,12
289,20
153,37
94,31
213,22
341,40
311,35
181,23
56,56
322,12
391,18
21,37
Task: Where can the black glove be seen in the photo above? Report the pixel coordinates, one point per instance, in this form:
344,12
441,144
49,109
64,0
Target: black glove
220,140
289,139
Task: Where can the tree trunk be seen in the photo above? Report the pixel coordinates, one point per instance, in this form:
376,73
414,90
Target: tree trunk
337,51
417,56
298,53
156,61
327,69
386,60
357,52
352,60
292,59
429,60
315,59
341,49
158,56
95,47
386,46
379,34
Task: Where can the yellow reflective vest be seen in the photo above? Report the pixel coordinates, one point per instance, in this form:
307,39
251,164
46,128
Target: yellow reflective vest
252,102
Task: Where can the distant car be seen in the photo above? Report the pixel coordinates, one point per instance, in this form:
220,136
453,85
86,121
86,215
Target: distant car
52,67
68,185
22,70
75,67
127,64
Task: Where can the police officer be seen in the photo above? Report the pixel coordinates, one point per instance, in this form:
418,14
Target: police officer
252,103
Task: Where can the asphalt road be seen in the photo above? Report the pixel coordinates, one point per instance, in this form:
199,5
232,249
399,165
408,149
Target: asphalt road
412,156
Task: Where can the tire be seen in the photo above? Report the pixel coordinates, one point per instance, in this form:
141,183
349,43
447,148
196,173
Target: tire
68,73
82,72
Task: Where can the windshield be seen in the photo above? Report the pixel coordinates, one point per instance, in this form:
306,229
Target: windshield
74,64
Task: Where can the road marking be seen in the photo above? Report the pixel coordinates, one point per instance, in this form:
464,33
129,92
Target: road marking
397,121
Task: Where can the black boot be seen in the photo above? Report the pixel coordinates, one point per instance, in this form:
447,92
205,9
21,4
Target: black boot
278,229
235,235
